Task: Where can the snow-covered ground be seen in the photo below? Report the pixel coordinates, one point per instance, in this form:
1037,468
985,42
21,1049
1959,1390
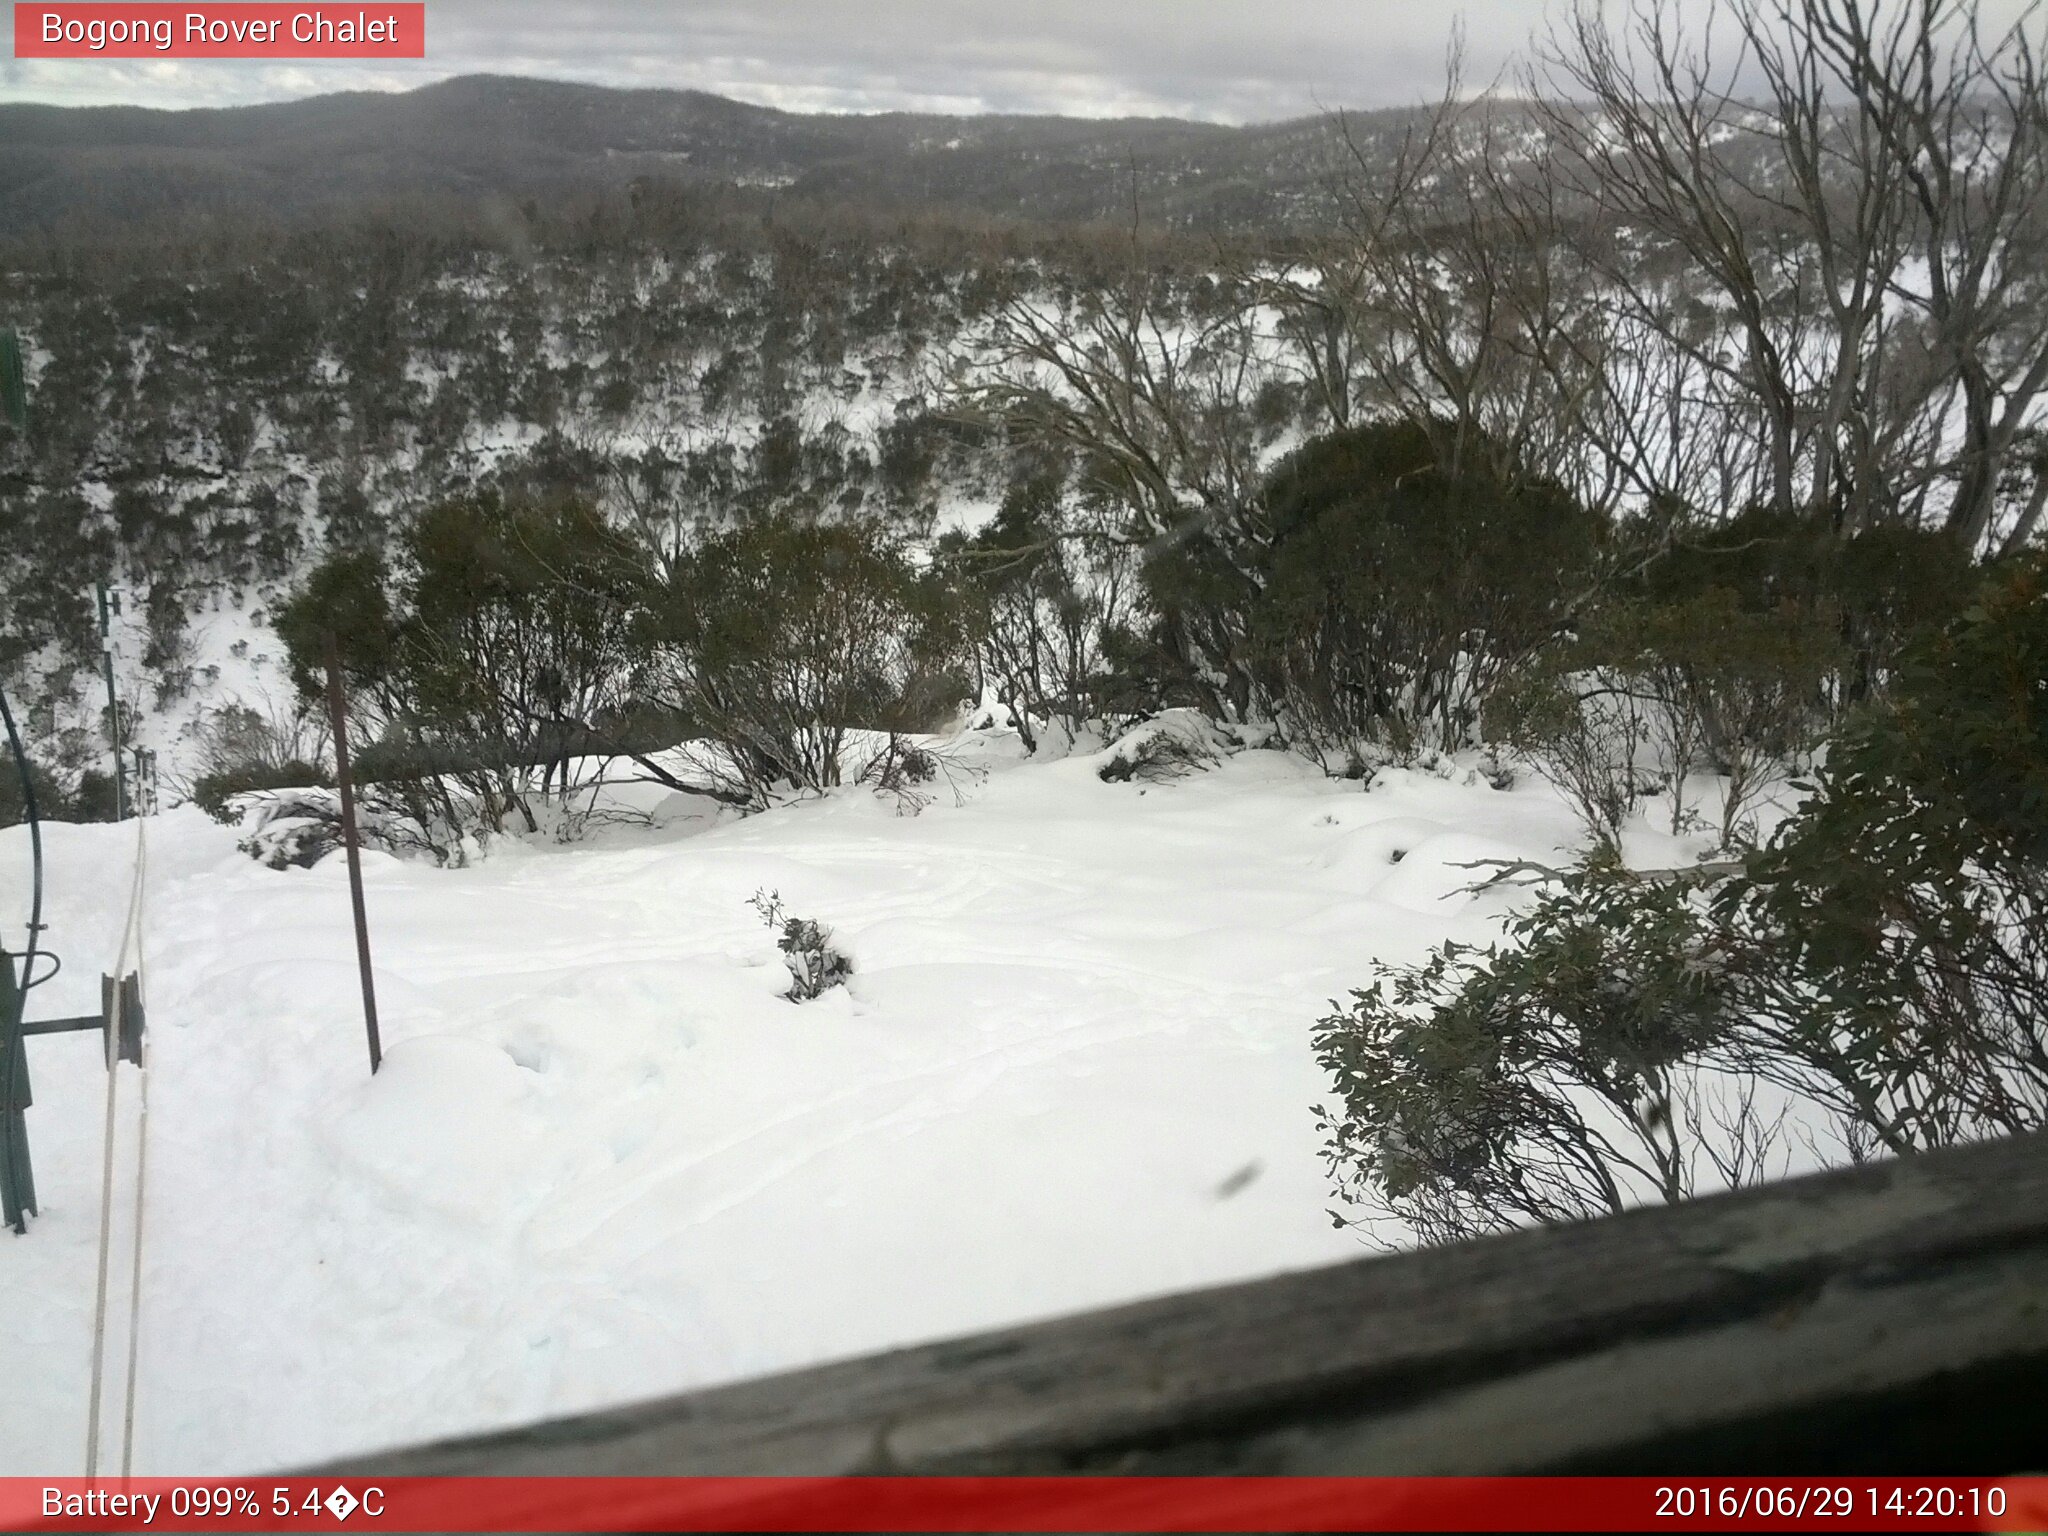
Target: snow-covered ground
606,1159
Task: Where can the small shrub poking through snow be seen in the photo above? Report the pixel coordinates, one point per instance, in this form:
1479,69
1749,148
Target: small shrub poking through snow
291,842
1175,745
1157,761
814,965
902,769
290,827
223,795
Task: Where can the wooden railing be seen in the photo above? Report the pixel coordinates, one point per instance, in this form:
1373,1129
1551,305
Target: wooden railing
1889,1318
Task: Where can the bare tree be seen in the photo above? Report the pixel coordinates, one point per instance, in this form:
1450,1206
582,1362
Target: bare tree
1959,121
1151,393
1859,193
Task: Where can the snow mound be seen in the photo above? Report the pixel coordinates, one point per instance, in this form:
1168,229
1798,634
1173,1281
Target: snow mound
1169,746
449,1125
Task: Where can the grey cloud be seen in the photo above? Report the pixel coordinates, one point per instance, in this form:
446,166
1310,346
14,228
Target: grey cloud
1225,60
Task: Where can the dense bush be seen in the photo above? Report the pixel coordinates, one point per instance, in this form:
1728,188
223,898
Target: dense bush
516,643
87,795
503,653
1564,1074
776,639
1646,692
1878,590
1587,731
1881,961
1907,903
1392,593
242,750
521,637
344,596
1729,648
216,793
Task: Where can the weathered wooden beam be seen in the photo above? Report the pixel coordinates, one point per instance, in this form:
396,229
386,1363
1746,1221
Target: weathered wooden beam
1892,1317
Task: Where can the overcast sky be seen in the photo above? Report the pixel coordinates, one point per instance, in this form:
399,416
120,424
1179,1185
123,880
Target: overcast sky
1225,60
1229,60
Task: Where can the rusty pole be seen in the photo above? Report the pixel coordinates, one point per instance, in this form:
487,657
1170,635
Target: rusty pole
337,711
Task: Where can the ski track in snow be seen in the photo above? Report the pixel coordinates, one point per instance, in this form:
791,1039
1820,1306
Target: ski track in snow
607,1160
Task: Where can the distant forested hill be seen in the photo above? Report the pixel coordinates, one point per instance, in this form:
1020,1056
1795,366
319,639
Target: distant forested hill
494,134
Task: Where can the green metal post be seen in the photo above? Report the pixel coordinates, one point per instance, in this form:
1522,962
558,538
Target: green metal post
17,1177
17,1180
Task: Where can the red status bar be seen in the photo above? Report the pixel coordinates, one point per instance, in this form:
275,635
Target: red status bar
1048,1504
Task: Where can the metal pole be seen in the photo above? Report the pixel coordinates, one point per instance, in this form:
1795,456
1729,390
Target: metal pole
14,1097
17,1178
337,711
113,708
17,1181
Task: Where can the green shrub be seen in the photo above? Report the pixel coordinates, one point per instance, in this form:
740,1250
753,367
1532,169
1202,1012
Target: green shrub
1647,691
1907,901
1882,959
93,796
215,793
1047,604
1879,589
1555,1077
87,795
1584,731
779,637
50,796
1393,594
505,651
346,596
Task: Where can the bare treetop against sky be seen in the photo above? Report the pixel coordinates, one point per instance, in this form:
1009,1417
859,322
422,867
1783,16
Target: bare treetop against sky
1227,60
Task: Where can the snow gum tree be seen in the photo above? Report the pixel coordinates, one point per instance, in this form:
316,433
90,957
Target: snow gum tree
1395,590
503,652
776,639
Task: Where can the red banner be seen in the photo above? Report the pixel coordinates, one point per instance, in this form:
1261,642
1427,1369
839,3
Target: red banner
1048,1504
71,30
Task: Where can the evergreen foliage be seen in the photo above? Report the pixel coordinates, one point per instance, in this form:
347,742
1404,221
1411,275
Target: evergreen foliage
1392,592
1884,957
776,639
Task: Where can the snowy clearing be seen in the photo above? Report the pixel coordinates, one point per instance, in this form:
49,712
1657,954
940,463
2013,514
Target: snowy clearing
607,1159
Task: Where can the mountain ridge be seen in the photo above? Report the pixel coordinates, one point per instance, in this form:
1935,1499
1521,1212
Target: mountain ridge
518,135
